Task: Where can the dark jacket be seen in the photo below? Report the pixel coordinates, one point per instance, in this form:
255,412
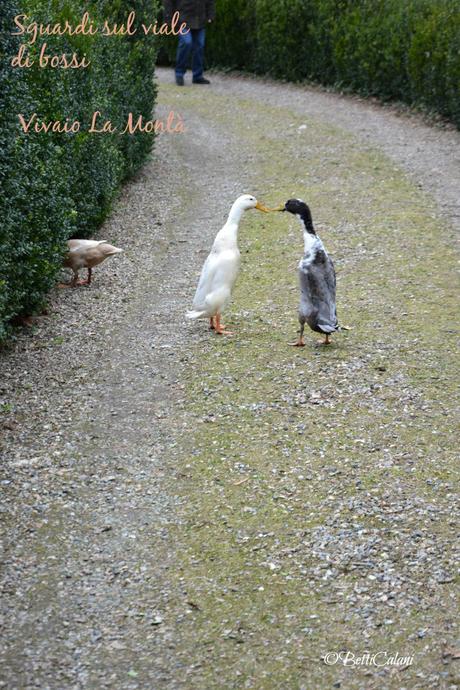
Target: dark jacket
195,13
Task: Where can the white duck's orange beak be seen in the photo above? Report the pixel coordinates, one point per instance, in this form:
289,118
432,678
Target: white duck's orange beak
261,207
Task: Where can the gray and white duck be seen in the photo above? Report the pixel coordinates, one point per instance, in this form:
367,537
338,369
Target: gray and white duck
316,277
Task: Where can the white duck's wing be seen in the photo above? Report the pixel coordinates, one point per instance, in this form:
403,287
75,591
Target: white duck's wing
217,279
206,278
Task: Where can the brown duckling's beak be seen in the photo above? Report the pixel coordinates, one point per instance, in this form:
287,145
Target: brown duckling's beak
281,207
261,207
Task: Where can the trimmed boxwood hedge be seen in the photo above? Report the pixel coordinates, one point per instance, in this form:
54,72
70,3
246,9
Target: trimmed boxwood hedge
405,50
55,186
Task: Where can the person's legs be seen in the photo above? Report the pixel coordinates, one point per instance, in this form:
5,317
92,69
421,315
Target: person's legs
198,38
184,48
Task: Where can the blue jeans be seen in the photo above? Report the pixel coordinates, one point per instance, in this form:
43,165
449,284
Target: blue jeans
191,42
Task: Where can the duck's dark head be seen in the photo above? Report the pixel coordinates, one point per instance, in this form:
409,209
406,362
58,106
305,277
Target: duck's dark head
300,209
295,206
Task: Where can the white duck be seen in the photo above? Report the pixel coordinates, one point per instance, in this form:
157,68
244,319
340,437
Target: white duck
87,254
221,268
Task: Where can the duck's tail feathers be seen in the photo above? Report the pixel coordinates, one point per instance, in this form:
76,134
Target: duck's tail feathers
109,249
195,314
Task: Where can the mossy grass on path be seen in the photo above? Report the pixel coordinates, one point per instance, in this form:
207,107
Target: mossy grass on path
317,482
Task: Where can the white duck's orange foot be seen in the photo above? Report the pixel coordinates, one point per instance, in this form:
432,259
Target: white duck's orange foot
220,327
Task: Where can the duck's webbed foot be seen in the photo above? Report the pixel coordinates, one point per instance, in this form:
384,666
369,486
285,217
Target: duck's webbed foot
300,341
220,328
326,341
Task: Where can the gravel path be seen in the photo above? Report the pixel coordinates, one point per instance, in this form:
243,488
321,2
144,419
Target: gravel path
139,530
96,410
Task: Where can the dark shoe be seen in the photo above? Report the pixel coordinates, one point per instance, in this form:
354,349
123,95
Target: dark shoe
180,81
201,80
